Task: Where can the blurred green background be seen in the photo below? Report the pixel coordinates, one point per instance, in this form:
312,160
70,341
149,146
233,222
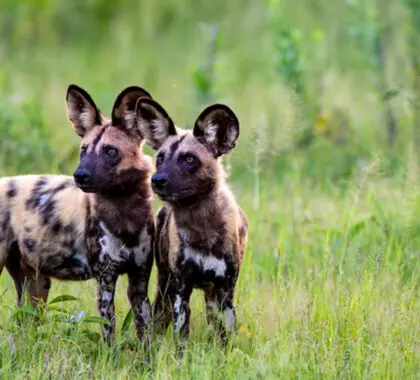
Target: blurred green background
327,169
335,83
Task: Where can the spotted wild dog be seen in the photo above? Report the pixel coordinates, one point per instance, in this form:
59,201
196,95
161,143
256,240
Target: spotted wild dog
201,233
97,224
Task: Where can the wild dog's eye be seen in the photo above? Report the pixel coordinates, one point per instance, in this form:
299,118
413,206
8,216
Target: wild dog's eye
189,158
159,159
110,151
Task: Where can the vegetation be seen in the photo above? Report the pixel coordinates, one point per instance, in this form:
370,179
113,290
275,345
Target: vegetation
327,170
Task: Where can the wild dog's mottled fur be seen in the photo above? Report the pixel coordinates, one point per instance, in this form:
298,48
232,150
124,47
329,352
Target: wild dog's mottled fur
99,227
201,233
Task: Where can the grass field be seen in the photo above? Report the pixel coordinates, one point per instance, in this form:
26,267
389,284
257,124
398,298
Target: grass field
330,283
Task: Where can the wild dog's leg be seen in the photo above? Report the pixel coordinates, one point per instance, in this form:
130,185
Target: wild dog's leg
138,281
15,271
220,301
165,296
39,289
181,310
106,290
213,309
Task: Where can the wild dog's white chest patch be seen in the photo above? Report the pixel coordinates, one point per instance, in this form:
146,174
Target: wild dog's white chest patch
141,252
111,246
115,249
206,262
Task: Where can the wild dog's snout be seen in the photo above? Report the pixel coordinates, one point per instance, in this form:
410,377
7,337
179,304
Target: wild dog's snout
82,177
159,181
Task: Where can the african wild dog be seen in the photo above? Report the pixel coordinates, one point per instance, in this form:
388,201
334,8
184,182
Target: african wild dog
97,224
201,233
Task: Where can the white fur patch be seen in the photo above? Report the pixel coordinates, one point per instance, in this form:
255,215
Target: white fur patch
86,118
130,119
110,245
181,314
145,312
211,132
206,262
229,315
106,296
43,199
142,251
160,129
213,306
81,258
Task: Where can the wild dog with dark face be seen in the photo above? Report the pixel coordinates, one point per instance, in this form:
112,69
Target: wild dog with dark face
98,224
201,232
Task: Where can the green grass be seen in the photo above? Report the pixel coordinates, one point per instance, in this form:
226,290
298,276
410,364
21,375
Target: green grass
330,283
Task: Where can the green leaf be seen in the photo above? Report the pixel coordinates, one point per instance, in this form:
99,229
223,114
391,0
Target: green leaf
25,312
391,93
94,319
359,226
58,309
63,298
92,335
127,321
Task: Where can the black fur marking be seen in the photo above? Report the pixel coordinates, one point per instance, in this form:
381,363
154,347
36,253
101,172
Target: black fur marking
29,244
33,200
13,267
43,199
47,284
98,137
12,192
47,212
68,229
173,148
4,223
56,228
66,267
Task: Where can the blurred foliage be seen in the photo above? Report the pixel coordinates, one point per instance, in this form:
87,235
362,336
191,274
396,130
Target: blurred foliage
294,73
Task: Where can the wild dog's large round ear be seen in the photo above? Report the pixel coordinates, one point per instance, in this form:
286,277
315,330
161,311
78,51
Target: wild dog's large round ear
82,110
124,110
217,127
154,123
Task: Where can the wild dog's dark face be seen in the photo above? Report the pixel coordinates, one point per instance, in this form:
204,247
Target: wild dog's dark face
187,165
110,154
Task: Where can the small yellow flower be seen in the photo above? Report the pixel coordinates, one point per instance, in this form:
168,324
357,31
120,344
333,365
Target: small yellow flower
413,73
249,334
321,123
242,330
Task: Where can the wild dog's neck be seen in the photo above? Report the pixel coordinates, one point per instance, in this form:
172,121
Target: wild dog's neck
200,213
126,215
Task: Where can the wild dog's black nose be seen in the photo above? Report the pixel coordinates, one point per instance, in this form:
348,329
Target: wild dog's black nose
159,181
82,176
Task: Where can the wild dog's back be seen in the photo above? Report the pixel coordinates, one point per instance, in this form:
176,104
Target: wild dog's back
45,215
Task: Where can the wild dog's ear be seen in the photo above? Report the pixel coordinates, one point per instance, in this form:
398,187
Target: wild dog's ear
217,127
82,110
124,110
154,123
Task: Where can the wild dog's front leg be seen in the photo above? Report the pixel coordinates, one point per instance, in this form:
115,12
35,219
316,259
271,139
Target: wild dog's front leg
220,308
106,291
181,313
138,281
